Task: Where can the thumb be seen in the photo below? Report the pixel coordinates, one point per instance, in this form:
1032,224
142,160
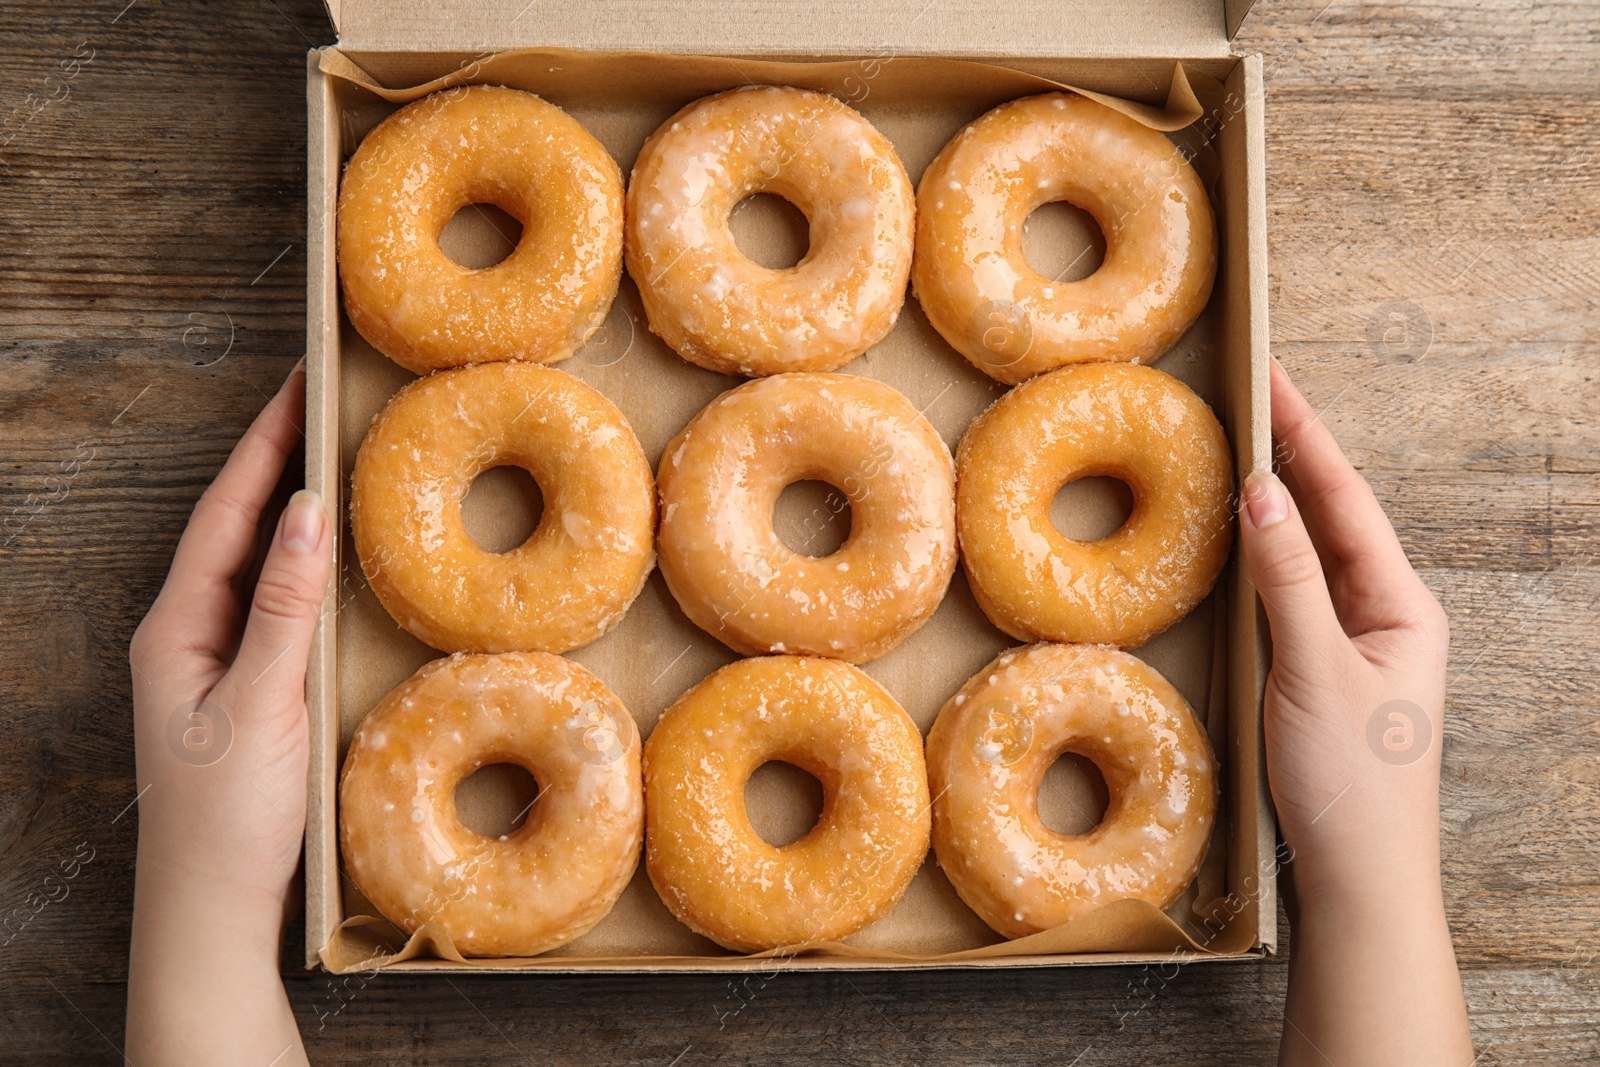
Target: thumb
1306,635
287,602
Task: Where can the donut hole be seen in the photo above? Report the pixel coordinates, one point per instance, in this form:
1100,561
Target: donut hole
770,231
495,799
502,508
1092,508
1072,795
812,518
479,236
783,802
1063,242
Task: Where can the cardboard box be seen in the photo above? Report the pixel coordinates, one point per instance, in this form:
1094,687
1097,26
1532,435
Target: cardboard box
919,69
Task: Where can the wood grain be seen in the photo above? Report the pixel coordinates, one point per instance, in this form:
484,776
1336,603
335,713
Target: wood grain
1431,166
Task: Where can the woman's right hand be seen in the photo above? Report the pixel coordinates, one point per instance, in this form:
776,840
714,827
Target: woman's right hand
1355,699
1354,719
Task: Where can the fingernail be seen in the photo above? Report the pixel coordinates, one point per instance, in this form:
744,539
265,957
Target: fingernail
1266,498
302,523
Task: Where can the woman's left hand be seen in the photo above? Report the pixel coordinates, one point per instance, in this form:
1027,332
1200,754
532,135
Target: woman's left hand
219,671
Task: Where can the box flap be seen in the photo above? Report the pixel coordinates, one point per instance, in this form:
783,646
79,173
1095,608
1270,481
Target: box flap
1233,12
971,28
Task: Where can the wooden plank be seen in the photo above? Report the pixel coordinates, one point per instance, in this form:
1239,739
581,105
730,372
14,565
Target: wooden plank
1431,175
1523,1016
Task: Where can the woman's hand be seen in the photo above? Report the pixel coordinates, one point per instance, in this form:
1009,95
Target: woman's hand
1354,718
1355,700
219,669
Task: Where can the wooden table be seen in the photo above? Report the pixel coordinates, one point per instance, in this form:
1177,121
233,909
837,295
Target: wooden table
1434,184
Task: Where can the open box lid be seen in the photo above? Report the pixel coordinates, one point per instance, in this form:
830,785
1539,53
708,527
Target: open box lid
971,28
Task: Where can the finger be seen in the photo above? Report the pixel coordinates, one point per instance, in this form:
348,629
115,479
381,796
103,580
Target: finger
288,597
221,535
1373,584
1339,507
1307,639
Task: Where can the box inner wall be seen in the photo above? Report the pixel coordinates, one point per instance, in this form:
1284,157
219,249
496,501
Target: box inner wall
655,654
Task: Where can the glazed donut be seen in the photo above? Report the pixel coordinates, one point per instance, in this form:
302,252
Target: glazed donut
977,288
715,873
548,881
987,755
715,306
724,562
479,145
1135,424
572,579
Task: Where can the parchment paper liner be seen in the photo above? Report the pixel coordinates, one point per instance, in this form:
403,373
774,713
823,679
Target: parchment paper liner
606,92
